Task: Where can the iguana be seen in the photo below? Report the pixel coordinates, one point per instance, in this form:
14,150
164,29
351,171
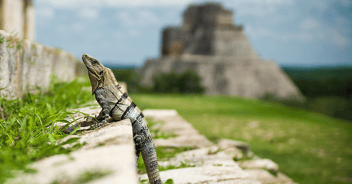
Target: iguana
118,105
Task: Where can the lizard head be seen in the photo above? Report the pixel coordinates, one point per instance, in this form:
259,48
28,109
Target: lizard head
95,71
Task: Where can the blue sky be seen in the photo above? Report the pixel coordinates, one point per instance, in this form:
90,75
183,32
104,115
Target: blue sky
126,32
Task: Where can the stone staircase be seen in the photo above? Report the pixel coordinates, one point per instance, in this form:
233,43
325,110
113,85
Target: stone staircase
107,156
212,163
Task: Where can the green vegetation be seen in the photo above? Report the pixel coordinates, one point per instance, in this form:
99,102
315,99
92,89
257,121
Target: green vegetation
185,82
131,77
184,164
322,81
155,126
84,177
328,90
163,152
309,147
27,133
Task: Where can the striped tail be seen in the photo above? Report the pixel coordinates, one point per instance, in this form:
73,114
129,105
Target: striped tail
143,142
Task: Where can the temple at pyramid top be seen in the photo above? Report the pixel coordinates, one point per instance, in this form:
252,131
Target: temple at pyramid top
209,15
207,29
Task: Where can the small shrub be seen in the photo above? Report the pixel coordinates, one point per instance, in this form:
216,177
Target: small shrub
166,83
185,82
130,76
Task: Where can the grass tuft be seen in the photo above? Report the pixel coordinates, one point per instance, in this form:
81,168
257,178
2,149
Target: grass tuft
155,130
27,133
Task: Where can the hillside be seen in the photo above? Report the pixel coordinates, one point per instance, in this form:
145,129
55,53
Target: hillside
309,147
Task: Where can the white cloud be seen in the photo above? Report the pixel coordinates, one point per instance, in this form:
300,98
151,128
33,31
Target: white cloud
144,3
148,16
310,23
95,36
88,13
305,36
312,30
46,13
133,32
125,17
70,4
278,19
62,29
138,18
258,8
318,31
118,35
320,4
78,27
258,32
345,2
73,4
336,38
341,21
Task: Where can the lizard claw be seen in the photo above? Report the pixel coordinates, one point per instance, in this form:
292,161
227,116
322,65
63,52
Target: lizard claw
99,124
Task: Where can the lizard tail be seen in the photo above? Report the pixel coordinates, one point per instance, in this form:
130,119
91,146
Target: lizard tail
143,143
150,162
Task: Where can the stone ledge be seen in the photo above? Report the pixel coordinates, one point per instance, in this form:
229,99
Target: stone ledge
208,174
108,149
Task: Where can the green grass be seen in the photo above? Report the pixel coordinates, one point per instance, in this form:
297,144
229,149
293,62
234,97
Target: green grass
154,127
309,147
26,131
163,152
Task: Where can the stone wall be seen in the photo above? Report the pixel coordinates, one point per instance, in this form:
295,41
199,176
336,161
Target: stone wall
223,76
17,17
26,65
173,41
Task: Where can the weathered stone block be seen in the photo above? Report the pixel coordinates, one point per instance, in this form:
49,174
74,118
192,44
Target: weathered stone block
109,149
265,177
265,164
25,65
209,174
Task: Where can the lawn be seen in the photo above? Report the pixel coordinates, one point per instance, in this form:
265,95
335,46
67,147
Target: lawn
309,147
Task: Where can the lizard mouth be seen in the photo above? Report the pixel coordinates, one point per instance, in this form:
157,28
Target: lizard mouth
89,63
86,61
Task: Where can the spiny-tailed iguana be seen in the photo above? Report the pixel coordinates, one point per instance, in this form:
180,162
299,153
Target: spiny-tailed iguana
118,105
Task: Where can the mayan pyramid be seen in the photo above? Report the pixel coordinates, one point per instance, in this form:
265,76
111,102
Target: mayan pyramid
220,52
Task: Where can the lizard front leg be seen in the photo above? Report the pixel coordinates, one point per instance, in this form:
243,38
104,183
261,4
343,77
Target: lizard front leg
104,113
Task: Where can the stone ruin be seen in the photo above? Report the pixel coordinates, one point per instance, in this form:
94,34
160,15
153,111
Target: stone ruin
220,52
17,17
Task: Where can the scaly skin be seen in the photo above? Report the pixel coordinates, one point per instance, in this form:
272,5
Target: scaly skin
118,105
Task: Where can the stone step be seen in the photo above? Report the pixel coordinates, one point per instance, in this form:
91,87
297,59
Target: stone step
210,163
207,174
107,151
